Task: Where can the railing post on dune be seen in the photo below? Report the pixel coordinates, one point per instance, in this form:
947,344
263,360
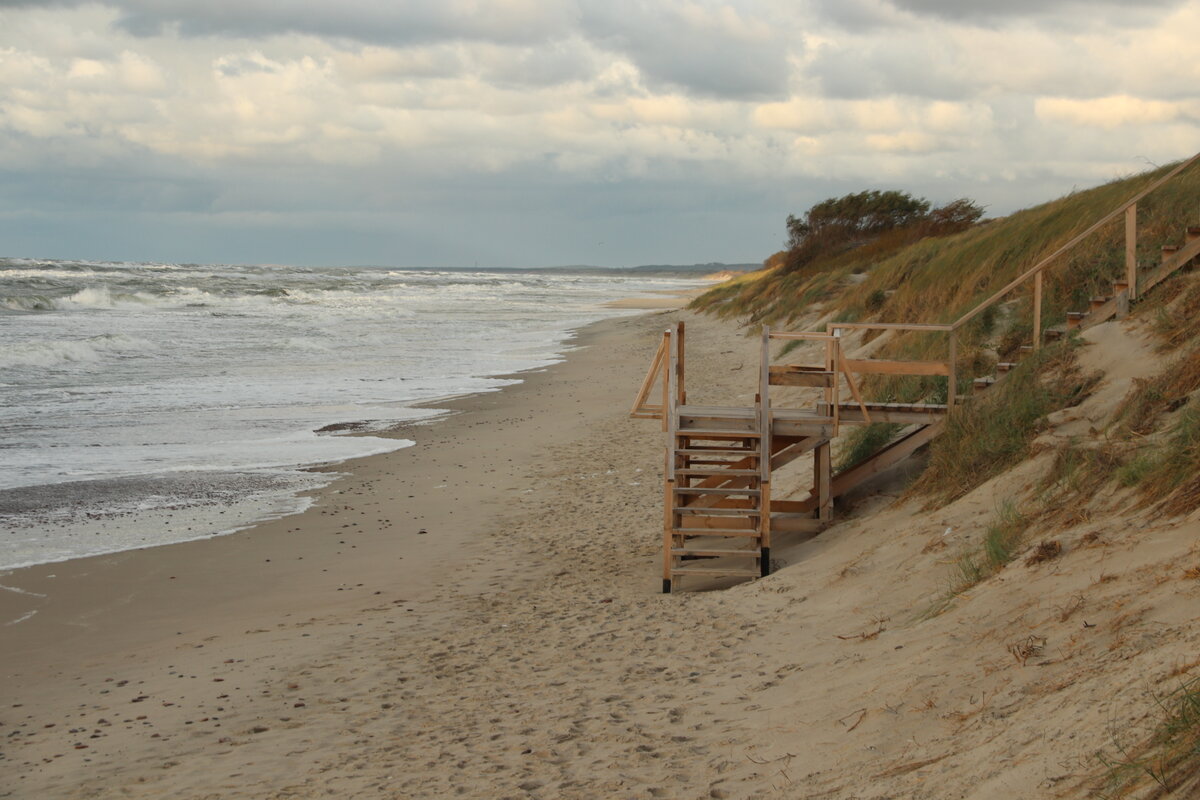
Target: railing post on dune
952,378
1131,250
1037,310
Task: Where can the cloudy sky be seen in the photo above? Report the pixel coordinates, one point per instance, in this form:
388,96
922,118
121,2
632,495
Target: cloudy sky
539,132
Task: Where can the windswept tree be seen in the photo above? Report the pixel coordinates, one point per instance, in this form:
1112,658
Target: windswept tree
840,223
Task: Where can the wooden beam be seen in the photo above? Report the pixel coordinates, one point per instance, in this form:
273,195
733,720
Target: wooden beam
789,375
822,485
639,403
1163,271
872,465
885,367
952,375
889,326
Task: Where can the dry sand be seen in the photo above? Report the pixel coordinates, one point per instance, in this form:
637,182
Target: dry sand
519,647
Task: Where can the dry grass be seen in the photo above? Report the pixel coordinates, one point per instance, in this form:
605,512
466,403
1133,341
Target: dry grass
994,431
1168,760
1150,398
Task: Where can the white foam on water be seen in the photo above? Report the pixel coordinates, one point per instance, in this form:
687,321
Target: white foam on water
128,370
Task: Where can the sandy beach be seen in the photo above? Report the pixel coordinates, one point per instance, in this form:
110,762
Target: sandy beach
478,616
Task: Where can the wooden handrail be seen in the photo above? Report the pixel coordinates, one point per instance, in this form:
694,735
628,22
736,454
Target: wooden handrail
891,326
1038,267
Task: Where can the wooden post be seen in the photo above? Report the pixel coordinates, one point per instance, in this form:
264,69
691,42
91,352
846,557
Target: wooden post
952,378
666,377
764,525
668,529
1037,311
822,480
670,415
682,385
764,408
1131,249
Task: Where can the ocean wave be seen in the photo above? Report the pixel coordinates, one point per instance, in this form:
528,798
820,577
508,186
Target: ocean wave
56,352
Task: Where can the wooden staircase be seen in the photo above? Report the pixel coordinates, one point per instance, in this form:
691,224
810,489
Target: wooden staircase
716,522
719,512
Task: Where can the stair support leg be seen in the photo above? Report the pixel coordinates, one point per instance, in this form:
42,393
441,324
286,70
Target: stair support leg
668,533
822,481
764,523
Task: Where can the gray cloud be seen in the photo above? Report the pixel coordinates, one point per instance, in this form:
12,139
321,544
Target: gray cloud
991,10
710,50
377,21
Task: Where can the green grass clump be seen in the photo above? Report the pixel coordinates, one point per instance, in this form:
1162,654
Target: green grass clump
1169,758
1002,541
993,432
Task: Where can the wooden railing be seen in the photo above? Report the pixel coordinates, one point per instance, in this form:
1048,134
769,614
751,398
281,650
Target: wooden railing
949,368
875,366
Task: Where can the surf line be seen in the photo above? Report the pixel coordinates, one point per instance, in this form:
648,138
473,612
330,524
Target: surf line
19,620
21,591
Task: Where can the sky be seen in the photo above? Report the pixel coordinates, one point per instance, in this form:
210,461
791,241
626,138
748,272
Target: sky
550,132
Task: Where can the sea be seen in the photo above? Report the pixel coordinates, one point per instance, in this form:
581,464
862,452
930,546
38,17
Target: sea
147,404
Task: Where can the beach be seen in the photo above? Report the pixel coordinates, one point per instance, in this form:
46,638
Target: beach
479,616
187,668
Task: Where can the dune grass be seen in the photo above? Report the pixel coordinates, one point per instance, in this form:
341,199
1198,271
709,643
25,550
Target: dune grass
1169,759
993,432
937,279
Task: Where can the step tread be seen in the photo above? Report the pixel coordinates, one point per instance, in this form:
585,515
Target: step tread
717,512
716,451
749,573
715,490
717,471
721,433
717,531
717,552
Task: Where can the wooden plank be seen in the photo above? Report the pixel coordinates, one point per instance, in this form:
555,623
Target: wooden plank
889,456
789,524
1163,271
852,415
711,552
885,367
728,571
783,376
1100,313
639,403
787,427
715,531
788,454
889,326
